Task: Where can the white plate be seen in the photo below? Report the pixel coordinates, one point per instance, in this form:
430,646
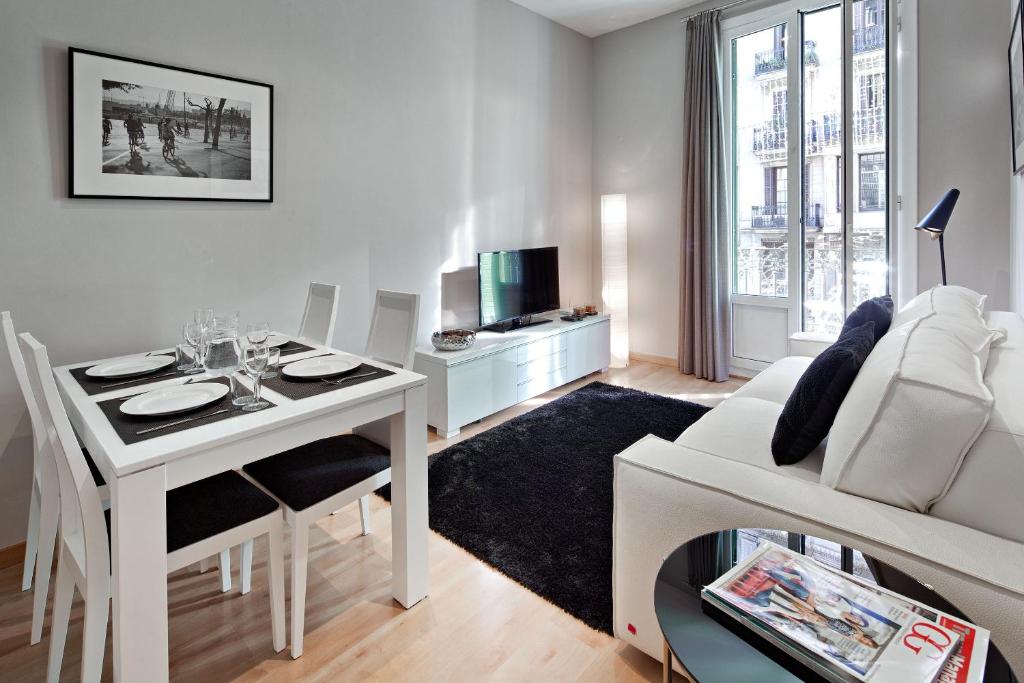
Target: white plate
323,366
129,367
177,399
275,340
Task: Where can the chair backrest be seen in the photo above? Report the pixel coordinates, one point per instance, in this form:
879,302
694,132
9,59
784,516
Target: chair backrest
393,327
321,311
43,466
81,510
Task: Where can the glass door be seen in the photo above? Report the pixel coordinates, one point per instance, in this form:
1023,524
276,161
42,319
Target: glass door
807,127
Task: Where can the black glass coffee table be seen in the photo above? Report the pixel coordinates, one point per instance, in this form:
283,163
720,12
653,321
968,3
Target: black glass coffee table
713,648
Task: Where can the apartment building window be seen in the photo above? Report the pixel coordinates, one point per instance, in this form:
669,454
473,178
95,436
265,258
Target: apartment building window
872,182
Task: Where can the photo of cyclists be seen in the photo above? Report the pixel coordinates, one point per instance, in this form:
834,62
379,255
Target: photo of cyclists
148,130
167,132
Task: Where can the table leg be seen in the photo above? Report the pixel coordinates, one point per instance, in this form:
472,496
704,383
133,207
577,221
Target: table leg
139,564
409,521
666,663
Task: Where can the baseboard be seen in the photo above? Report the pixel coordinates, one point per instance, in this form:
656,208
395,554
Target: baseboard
12,555
657,360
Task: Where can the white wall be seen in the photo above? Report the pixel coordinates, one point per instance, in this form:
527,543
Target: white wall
638,137
964,141
963,137
408,136
1017,230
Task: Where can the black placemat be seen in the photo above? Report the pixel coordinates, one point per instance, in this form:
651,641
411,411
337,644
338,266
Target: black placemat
296,389
293,347
127,426
93,385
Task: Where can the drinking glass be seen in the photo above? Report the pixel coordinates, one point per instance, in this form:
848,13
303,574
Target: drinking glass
185,361
257,333
254,362
193,334
273,361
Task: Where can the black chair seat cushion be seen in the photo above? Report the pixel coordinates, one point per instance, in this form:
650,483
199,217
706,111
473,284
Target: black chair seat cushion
878,310
811,409
209,507
314,472
212,506
93,470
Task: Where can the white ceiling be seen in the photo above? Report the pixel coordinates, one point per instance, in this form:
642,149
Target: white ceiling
594,17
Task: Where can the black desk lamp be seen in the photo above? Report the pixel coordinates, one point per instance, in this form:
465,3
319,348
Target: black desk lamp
935,223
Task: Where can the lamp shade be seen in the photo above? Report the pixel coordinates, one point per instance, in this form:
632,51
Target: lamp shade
936,220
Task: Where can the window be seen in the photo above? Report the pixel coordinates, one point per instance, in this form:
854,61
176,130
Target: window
745,541
842,257
872,182
761,171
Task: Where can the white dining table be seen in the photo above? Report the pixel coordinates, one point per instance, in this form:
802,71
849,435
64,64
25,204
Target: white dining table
139,475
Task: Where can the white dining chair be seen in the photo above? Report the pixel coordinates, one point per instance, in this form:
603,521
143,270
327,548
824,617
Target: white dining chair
321,312
228,507
316,479
392,340
44,502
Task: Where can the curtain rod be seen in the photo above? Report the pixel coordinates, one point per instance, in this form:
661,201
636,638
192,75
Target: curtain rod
721,8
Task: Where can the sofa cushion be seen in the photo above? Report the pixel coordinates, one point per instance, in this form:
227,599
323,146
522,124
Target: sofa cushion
877,310
740,429
916,407
811,408
986,494
777,381
944,300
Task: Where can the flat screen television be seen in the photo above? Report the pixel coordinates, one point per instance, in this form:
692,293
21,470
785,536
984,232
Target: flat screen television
515,284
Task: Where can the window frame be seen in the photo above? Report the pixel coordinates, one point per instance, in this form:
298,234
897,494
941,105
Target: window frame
788,13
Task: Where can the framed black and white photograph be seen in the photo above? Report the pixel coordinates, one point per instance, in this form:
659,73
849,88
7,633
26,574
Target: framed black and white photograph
141,130
1015,55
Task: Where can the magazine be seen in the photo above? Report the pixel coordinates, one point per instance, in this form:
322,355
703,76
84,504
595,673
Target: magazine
967,662
859,631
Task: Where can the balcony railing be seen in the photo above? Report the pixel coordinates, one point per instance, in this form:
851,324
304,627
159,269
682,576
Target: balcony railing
868,38
770,138
869,125
822,133
776,216
768,61
769,216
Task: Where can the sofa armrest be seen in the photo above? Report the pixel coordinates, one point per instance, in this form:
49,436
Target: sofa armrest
809,343
983,556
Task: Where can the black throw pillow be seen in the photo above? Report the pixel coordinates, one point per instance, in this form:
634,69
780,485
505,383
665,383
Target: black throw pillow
812,407
878,309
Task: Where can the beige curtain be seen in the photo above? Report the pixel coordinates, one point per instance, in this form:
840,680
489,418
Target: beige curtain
704,292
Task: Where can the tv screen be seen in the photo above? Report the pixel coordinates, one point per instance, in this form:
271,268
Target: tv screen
517,283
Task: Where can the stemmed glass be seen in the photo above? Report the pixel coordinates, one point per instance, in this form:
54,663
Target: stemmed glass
257,333
203,317
254,362
193,335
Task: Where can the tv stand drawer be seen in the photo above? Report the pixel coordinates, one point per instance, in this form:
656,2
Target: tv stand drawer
541,347
538,385
538,367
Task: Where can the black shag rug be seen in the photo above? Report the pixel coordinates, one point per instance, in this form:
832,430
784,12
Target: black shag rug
533,497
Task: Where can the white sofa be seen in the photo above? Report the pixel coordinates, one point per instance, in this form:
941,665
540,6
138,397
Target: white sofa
720,474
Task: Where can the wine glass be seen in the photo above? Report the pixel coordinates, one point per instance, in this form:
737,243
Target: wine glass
193,335
257,333
203,316
254,362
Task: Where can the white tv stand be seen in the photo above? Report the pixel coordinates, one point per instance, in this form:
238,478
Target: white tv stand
506,368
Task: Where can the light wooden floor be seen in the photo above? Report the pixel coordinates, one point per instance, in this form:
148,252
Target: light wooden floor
475,625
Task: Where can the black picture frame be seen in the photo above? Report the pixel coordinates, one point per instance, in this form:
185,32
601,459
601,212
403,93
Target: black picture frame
1016,72
86,181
